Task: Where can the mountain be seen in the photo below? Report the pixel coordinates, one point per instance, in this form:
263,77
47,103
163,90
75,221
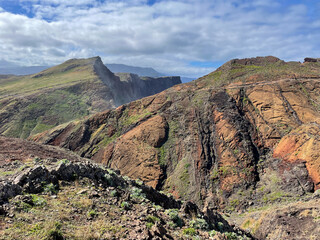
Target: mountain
141,71
77,88
187,79
242,139
57,195
20,70
7,68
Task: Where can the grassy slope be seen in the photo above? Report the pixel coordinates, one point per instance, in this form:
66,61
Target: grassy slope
34,103
66,74
267,72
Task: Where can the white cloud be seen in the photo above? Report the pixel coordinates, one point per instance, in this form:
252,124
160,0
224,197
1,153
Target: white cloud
167,35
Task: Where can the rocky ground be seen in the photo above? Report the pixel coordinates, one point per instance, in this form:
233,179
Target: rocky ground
54,198
298,219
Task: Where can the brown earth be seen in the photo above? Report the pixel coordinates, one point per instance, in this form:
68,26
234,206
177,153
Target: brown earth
13,149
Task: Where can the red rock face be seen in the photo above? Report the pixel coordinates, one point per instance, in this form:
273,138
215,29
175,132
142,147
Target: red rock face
302,145
208,140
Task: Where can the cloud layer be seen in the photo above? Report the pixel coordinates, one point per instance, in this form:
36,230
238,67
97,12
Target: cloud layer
169,36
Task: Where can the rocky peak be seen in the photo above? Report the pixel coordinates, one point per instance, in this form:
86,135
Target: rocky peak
257,61
307,59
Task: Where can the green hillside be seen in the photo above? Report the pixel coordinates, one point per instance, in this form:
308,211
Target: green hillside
34,103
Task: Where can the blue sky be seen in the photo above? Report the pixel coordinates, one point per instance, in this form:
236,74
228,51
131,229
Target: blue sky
182,37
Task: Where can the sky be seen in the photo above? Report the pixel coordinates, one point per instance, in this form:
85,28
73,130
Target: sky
182,37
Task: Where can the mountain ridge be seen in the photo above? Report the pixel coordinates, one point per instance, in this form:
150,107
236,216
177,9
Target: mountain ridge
226,140
74,89
141,71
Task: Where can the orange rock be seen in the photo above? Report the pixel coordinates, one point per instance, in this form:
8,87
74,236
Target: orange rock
302,145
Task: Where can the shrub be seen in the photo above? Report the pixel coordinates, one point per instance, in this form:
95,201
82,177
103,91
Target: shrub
110,171
212,233
126,178
50,188
149,225
22,206
220,226
114,193
125,205
199,223
174,216
139,182
231,235
152,219
38,201
189,231
172,225
64,161
55,233
37,160
92,213
109,179
157,207
136,193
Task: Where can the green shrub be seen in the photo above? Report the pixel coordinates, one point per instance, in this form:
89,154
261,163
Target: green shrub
172,225
110,171
139,182
37,160
50,188
38,201
174,216
199,223
220,226
114,193
136,193
126,178
55,233
189,231
92,213
125,205
109,179
22,206
149,225
152,219
64,161
212,233
157,207
231,235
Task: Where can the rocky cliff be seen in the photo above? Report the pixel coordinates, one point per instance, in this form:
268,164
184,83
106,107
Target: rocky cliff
238,139
76,88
